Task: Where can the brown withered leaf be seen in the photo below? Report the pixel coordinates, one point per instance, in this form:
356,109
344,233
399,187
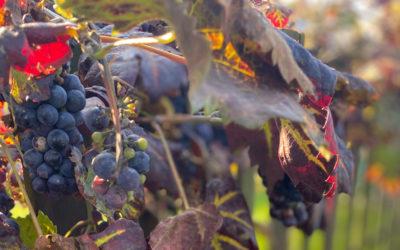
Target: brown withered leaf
244,102
237,230
152,74
58,242
123,234
193,229
260,44
261,152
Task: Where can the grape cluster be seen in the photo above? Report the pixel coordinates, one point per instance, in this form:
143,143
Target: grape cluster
49,131
134,163
286,204
7,225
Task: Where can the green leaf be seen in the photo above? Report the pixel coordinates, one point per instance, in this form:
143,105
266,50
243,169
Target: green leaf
46,224
27,230
23,87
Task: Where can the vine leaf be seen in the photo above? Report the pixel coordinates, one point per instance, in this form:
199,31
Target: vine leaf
243,102
36,49
24,88
193,229
27,230
345,169
123,14
237,230
123,234
150,73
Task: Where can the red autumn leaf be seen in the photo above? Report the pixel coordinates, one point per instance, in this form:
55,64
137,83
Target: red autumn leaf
4,130
277,17
44,59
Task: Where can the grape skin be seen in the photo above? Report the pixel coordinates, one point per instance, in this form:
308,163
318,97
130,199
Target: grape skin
76,101
58,97
57,139
104,165
47,115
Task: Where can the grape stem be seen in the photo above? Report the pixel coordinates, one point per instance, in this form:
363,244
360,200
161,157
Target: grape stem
110,89
180,118
22,187
172,165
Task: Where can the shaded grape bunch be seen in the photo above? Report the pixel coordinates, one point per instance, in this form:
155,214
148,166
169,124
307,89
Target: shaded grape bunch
47,131
7,225
286,203
134,163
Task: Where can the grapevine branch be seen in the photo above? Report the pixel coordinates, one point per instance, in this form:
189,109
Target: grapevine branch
22,187
181,118
171,163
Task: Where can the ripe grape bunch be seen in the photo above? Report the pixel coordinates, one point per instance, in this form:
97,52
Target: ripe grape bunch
287,204
48,132
134,163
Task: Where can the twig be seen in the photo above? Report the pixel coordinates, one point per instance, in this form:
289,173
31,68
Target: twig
22,187
180,118
146,46
171,163
109,85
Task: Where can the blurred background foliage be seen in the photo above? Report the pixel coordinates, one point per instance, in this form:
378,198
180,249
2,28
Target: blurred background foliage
361,37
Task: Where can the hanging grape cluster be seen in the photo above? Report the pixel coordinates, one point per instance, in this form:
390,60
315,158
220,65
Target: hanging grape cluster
48,131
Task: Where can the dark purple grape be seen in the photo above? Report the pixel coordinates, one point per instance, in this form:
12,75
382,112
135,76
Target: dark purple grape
58,97
96,118
104,165
47,115
66,168
53,158
57,139
6,203
72,82
39,185
57,183
13,224
32,158
76,101
44,171
78,118
25,117
128,179
65,121
32,173
75,137
43,130
25,139
141,162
